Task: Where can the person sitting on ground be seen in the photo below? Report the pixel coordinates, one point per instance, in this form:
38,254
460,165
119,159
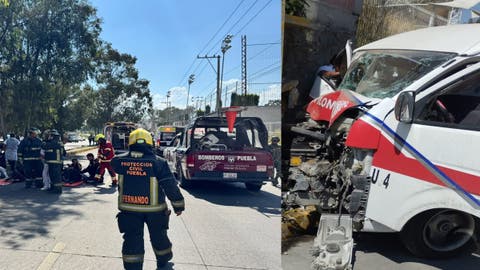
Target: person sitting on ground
73,173
3,162
3,173
88,174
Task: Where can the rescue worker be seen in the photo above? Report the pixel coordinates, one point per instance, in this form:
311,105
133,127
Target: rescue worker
54,153
105,155
276,152
144,180
29,155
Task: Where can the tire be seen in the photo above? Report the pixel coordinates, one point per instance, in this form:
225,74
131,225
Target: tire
253,186
184,183
439,233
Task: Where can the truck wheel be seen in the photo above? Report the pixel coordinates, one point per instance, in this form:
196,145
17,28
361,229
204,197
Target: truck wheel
253,186
439,233
184,183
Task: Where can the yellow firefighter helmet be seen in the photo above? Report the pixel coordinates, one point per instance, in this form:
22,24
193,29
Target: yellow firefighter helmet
99,136
140,136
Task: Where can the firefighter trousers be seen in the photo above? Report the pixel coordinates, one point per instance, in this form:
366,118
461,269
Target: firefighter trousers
55,173
131,225
105,166
33,173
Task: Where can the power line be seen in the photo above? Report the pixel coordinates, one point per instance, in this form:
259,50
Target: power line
206,45
235,68
265,83
263,72
235,24
264,68
262,44
243,27
224,23
252,18
253,57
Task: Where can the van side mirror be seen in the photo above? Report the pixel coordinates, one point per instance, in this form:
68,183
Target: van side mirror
404,107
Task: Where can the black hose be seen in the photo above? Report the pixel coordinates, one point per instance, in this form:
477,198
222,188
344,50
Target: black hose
313,134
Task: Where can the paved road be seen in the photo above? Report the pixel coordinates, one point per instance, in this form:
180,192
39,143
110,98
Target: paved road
376,252
224,227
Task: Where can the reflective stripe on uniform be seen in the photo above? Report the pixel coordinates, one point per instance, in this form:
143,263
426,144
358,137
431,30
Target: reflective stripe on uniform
120,190
132,258
163,251
35,148
58,155
136,154
102,160
32,158
54,161
154,205
49,150
178,203
142,208
153,191
58,185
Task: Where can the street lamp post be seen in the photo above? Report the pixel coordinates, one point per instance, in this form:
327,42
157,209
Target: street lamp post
191,79
168,107
225,46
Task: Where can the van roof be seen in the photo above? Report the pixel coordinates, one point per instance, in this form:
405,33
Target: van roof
460,39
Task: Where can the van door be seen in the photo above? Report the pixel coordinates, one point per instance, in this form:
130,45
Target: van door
434,161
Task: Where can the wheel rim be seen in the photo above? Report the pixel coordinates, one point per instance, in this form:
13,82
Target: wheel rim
448,230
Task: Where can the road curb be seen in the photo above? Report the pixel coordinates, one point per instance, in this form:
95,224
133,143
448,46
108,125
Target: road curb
81,149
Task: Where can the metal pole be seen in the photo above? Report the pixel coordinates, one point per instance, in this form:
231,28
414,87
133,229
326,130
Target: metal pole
223,63
226,90
188,97
219,93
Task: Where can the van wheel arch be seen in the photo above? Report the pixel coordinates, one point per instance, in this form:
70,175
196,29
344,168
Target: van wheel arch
440,233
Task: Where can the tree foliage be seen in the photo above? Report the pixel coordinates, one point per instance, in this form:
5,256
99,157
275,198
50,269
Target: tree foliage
55,71
378,21
296,7
245,100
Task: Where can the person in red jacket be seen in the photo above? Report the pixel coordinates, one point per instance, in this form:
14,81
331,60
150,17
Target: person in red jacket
105,155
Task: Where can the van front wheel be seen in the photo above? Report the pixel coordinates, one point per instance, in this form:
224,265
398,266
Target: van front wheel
439,233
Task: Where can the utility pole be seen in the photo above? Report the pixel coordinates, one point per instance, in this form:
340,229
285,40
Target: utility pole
219,93
244,64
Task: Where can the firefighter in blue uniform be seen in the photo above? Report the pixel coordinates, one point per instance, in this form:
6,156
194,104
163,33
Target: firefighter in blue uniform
54,153
29,155
144,180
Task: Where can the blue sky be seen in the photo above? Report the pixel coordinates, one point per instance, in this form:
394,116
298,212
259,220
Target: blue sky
167,35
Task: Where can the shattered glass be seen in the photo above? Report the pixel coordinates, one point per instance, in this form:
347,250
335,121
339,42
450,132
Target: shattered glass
384,73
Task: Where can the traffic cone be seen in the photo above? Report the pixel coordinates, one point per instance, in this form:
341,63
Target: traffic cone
231,116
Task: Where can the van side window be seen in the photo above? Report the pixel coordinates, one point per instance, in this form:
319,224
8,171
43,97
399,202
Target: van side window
456,106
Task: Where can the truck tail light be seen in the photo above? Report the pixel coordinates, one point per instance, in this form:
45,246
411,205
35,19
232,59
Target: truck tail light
190,161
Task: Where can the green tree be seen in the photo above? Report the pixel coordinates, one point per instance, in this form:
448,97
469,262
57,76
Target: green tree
122,96
47,50
245,100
